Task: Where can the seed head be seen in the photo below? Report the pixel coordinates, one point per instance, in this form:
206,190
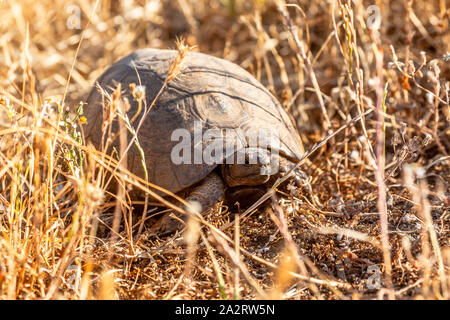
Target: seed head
175,68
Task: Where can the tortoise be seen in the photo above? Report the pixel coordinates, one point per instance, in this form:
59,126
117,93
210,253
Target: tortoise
211,94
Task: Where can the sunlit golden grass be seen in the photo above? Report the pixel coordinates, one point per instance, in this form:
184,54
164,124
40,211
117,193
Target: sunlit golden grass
372,220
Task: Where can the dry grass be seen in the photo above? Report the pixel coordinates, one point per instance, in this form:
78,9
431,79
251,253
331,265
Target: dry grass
371,222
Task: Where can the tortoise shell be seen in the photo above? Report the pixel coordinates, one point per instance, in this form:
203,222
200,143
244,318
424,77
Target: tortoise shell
214,92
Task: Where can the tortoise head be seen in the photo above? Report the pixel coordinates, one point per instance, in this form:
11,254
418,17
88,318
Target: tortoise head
256,172
250,167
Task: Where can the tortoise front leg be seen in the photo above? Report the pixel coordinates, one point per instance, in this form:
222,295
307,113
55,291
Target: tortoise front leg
207,194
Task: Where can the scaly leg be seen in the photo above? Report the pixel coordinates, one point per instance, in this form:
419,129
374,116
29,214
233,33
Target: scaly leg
208,193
